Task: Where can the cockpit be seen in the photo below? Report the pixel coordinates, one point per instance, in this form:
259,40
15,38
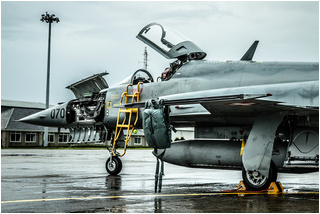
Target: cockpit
140,75
171,45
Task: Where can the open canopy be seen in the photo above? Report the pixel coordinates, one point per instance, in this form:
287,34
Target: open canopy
169,43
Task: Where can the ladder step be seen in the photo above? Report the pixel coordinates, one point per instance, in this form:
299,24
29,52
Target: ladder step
125,110
133,110
124,126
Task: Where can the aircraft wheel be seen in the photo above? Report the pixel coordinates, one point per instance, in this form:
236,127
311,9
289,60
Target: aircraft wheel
253,180
114,167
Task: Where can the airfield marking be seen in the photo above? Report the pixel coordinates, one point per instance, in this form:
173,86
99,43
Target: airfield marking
165,195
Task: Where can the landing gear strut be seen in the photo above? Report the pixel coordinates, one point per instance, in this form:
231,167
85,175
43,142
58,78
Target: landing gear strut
253,180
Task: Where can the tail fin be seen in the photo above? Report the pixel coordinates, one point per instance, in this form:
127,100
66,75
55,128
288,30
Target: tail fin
250,52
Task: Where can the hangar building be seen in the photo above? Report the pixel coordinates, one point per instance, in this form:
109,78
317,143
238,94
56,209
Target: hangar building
17,134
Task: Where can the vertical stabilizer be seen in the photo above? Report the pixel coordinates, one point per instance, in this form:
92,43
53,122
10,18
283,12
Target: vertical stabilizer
250,52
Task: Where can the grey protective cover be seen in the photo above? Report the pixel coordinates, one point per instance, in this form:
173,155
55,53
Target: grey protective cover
156,125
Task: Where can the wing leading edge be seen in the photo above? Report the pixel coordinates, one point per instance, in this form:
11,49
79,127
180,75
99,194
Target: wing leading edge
203,97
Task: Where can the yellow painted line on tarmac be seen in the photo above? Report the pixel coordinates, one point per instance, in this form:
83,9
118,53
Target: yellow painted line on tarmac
143,196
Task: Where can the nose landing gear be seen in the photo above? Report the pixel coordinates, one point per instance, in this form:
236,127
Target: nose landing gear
113,165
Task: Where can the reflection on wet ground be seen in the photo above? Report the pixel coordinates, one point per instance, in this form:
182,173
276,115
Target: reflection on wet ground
76,181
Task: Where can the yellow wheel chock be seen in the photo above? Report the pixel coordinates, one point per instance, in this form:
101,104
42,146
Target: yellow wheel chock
241,186
274,188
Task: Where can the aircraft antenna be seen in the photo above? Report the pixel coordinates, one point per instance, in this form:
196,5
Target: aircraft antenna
145,60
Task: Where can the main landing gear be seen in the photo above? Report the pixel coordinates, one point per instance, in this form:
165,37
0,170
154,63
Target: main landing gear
253,180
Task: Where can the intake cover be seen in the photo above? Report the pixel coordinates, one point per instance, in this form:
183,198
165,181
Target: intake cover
156,125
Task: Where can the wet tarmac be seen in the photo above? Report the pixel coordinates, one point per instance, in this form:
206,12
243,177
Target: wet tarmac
62,181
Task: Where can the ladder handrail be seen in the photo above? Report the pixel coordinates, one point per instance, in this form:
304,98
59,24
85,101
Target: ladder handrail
130,127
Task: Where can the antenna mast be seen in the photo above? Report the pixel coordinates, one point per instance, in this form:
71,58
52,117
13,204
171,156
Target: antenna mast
145,60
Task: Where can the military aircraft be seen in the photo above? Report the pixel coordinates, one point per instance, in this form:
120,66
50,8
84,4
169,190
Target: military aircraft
259,117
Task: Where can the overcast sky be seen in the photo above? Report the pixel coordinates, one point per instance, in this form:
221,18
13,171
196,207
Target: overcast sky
92,37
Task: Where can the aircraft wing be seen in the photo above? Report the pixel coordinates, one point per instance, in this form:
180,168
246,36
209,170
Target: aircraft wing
208,100
231,102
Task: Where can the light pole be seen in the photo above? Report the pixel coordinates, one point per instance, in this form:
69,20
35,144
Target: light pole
48,19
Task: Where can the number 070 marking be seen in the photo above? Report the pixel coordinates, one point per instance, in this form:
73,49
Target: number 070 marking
55,113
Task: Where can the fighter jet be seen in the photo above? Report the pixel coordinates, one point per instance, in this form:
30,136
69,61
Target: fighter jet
259,117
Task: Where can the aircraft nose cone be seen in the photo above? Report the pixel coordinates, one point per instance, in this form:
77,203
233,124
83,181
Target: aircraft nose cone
34,119
51,117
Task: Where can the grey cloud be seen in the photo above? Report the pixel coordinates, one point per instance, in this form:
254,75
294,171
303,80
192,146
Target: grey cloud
97,36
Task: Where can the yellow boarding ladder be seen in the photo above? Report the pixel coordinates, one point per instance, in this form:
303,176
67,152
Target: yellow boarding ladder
126,123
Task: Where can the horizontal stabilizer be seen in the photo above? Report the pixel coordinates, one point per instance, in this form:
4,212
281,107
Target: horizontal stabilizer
250,52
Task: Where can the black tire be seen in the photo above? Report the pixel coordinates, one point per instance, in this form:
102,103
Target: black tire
114,167
255,181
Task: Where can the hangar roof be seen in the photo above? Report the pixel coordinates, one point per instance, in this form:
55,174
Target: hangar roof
22,104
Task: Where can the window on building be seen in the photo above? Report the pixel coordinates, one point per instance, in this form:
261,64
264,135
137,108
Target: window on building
51,138
137,141
63,137
31,137
15,136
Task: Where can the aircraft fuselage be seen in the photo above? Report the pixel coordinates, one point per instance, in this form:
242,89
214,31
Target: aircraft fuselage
293,83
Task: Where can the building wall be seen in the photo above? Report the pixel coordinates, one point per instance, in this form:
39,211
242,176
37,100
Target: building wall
24,140
6,140
137,140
